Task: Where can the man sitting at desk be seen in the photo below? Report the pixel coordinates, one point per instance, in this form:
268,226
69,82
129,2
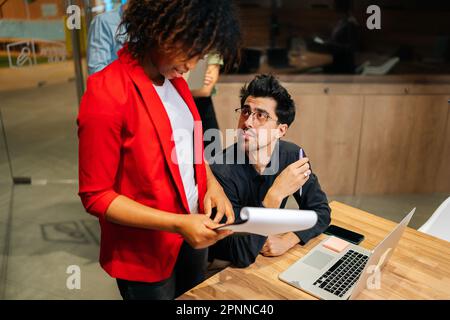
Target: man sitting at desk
270,173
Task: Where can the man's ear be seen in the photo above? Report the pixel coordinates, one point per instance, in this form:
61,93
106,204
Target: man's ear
282,129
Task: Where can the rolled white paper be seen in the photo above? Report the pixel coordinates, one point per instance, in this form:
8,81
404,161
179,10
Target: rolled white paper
268,221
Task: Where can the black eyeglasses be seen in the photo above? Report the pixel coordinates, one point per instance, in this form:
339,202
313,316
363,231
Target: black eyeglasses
259,116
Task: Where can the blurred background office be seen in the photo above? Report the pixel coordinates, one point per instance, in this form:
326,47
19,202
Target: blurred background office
373,116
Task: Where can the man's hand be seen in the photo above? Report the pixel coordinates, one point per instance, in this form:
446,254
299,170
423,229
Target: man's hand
276,245
289,181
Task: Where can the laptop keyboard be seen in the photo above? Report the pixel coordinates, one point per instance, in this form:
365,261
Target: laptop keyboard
343,274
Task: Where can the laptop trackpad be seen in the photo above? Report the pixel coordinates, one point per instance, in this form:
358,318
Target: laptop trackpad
318,259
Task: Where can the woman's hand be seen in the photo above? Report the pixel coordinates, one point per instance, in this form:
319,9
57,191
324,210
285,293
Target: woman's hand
215,197
211,75
197,230
208,80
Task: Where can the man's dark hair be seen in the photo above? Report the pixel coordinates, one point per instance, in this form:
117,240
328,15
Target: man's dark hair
267,86
200,26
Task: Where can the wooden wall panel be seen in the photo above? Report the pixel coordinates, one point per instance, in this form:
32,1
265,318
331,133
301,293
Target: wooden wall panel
401,144
15,9
399,27
361,142
328,128
443,177
255,24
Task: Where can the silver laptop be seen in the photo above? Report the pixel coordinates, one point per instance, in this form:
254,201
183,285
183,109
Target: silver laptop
339,276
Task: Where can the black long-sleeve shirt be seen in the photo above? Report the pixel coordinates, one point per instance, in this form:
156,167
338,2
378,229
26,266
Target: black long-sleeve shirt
245,187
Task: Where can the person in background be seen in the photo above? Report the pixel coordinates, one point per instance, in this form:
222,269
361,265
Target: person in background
344,41
203,97
153,194
105,39
271,172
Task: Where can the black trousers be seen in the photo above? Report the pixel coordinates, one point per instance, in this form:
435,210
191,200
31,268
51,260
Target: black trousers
205,108
190,270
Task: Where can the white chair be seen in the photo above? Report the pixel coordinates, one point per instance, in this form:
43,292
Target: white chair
438,225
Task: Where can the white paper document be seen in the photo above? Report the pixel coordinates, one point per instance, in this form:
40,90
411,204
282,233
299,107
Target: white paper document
267,221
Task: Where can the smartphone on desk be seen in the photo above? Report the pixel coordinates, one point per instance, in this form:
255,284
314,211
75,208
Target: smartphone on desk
344,234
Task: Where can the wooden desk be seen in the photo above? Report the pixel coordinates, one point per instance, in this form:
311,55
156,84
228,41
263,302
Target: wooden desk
419,268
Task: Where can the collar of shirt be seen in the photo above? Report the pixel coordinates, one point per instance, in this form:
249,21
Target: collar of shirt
275,159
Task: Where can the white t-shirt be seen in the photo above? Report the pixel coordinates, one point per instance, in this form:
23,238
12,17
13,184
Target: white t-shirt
182,124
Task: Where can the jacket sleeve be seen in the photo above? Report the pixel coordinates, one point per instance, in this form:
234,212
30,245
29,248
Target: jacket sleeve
99,133
313,198
240,249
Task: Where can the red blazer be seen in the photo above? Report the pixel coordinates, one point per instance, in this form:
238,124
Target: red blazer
125,149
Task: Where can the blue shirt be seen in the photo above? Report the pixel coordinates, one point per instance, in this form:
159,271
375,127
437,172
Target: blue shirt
103,40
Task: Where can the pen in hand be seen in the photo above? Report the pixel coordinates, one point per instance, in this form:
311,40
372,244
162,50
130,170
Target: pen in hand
301,156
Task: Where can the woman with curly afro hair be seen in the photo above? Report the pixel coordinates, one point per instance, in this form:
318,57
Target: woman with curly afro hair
141,164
